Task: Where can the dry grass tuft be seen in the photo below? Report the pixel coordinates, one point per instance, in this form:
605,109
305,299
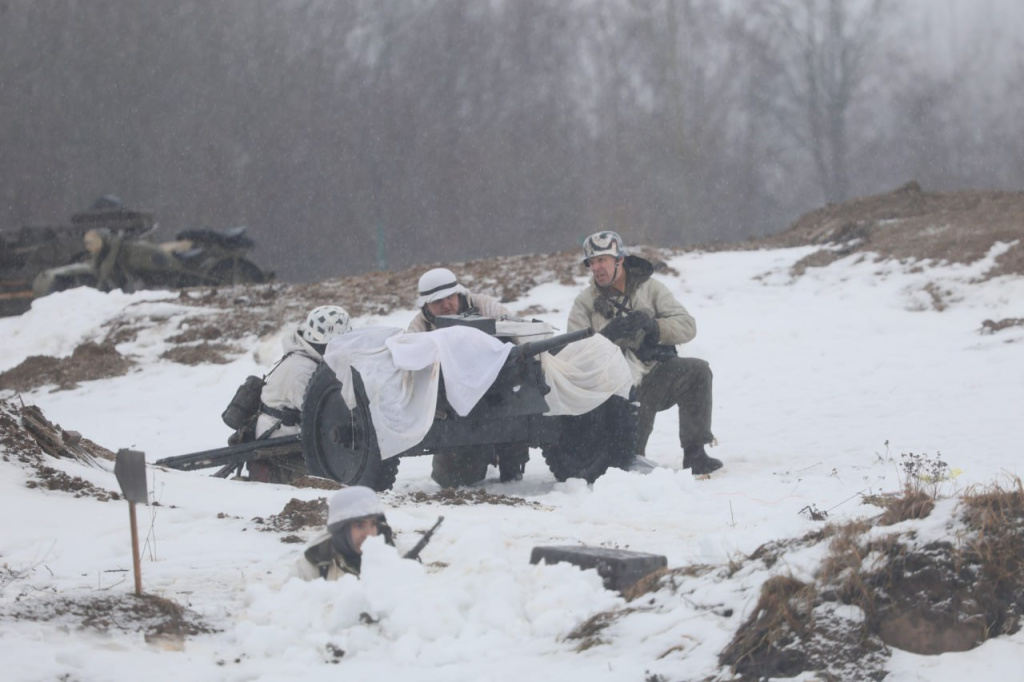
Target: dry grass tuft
783,614
912,504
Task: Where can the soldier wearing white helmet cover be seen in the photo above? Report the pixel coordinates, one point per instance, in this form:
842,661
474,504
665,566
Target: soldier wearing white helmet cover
642,317
353,515
281,400
440,293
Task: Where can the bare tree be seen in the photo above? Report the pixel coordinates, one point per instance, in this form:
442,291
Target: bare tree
816,56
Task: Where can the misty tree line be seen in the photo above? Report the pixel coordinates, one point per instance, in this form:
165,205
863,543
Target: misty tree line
353,135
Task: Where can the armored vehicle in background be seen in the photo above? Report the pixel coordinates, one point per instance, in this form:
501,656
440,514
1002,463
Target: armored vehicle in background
132,263
28,251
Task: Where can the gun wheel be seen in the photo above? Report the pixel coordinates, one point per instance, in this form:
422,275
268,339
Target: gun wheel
339,443
590,443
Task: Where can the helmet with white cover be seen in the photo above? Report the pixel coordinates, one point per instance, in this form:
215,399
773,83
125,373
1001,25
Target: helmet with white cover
348,504
606,243
437,284
324,323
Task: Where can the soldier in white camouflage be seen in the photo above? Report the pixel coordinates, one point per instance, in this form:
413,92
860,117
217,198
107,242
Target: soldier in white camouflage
440,293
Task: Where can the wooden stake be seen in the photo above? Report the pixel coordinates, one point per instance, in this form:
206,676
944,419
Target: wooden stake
136,561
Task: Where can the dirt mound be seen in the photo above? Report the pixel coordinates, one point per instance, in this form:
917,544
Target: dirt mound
27,437
926,597
88,362
909,223
200,354
927,588
159,620
455,497
297,515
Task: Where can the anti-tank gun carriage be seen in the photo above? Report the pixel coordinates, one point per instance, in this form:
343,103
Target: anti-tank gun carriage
348,432
340,440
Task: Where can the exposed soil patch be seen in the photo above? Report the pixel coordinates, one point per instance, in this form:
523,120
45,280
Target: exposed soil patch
993,326
57,442
29,438
88,362
870,594
792,631
201,354
909,223
15,441
454,497
54,479
196,333
153,616
297,515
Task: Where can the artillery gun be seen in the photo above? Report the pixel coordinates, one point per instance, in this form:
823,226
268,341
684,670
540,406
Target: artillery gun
340,442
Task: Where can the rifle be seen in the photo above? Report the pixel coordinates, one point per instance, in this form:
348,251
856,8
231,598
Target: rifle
414,553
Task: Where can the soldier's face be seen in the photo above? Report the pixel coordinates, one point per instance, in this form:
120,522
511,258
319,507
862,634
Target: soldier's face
448,305
603,269
360,530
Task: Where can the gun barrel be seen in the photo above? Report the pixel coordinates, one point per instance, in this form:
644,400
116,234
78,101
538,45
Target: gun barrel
233,454
532,348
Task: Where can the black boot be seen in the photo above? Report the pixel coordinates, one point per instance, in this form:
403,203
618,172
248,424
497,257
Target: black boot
699,462
512,461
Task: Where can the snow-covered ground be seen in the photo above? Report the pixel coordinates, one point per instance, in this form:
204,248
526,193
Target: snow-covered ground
821,383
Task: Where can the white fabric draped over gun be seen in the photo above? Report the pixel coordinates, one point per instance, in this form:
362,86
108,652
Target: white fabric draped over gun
401,372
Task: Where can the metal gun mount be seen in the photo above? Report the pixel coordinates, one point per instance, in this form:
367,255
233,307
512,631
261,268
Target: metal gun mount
511,329
340,443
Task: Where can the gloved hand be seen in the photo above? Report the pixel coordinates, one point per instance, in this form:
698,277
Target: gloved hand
648,325
629,324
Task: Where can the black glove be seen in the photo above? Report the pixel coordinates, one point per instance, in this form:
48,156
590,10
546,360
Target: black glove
618,328
629,324
649,326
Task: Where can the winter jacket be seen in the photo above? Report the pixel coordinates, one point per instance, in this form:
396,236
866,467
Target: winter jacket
675,324
487,306
321,560
286,384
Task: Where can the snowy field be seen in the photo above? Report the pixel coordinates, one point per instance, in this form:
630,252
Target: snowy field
821,383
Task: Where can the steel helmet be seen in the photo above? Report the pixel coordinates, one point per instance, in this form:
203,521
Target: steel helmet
437,284
605,243
355,502
324,323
